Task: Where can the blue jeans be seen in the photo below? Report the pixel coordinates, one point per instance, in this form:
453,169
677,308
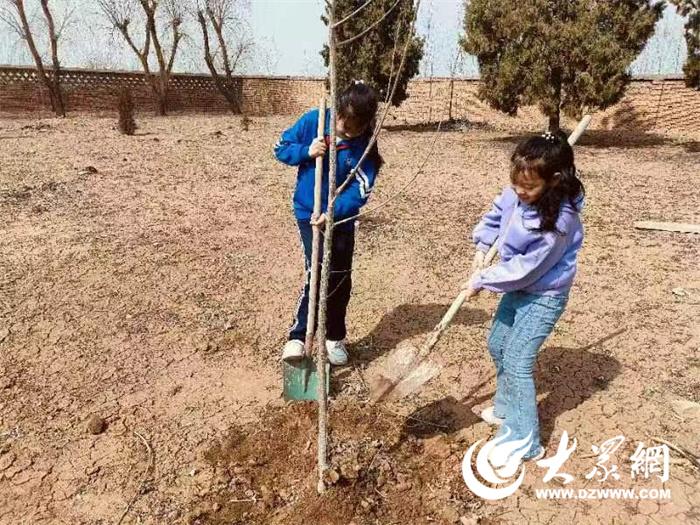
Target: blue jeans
521,324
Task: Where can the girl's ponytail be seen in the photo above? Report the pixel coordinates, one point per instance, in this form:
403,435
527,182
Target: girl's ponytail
551,157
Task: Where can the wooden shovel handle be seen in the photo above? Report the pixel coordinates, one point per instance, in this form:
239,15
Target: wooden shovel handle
452,311
578,131
316,240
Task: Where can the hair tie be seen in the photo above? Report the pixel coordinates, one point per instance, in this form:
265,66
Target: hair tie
355,82
549,136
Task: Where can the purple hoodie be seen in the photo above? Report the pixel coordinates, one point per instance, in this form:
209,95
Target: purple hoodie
542,263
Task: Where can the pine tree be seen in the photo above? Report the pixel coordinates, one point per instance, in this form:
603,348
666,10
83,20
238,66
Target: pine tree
691,9
127,124
566,56
375,56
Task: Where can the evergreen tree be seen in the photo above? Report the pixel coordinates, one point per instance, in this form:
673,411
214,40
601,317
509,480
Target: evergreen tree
567,56
375,56
691,9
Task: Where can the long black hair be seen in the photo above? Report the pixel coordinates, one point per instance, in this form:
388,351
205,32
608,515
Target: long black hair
359,103
551,158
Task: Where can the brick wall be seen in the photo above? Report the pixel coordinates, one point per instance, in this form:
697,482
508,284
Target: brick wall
650,104
86,90
280,95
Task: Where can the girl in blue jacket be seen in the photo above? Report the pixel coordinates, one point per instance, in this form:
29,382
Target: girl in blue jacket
539,232
299,146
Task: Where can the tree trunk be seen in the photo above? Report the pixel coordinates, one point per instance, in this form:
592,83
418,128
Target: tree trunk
226,88
162,102
153,82
321,357
554,122
55,85
554,116
29,38
164,67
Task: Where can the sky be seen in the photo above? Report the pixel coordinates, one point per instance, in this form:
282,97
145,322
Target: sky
288,35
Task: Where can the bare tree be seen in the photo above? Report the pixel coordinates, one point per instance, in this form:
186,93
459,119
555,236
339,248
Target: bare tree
331,222
223,16
121,15
15,15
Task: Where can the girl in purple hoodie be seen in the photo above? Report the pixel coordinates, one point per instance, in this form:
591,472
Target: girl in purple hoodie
536,223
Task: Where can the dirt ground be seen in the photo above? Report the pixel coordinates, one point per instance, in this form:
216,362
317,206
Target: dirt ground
154,292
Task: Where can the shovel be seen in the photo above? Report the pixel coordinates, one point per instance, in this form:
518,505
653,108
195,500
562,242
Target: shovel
301,377
407,368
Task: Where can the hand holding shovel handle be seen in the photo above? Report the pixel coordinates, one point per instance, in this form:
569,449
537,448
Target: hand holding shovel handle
449,315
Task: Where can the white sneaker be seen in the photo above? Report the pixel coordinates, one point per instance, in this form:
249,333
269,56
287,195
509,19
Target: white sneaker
337,353
488,416
497,457
293,350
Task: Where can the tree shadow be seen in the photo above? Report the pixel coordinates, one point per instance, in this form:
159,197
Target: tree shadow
568,376
691,146
608,139
445,125
407,321
623,139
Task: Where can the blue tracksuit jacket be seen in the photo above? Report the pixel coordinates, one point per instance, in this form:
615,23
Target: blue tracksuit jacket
293,149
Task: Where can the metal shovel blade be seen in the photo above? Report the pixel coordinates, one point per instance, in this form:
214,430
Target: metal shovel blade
301,380
400,375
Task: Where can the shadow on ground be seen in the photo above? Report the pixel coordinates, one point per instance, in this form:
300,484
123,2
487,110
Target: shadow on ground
446,125
607,139
407,321
568,376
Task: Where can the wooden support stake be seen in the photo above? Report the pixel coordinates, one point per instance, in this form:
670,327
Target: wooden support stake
316,242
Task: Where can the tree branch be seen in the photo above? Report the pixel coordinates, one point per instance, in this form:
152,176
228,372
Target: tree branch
372,26
67,20
218,13
393,57
10,20
340,22
217,21
387,107
404,188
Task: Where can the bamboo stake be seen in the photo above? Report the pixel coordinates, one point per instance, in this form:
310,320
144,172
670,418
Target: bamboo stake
321,357
316,242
